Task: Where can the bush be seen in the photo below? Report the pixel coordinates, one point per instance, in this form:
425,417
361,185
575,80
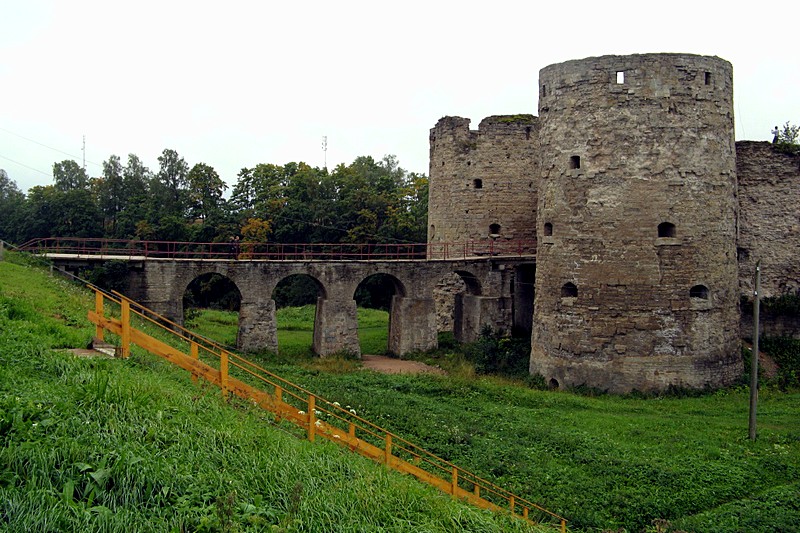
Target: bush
787,139
492,354
111,276
786,353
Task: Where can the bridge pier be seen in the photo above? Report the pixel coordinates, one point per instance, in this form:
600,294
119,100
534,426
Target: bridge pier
473,313
257,326
336,327
412,325
169,309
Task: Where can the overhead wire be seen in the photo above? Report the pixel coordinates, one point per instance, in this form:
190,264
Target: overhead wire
45,146
26,166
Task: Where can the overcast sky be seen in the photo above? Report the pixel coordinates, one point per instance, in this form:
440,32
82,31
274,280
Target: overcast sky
237,83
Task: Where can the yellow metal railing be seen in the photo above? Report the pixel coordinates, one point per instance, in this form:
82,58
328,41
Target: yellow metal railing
318,417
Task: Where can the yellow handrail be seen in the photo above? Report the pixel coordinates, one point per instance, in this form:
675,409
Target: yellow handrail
316,415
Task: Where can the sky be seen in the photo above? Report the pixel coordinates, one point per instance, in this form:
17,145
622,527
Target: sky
237,83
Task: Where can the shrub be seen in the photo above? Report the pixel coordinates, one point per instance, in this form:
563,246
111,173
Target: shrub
492,354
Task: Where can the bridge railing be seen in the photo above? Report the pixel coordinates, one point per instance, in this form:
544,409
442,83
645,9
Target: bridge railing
259,251
315,416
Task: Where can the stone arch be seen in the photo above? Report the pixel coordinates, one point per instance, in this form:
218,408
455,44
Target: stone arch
471,282
377,291
445,294
297,289
412,316
211,290
460,305
380,279
312,282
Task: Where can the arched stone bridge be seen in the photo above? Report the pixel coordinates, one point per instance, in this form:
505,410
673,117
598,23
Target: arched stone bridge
498,293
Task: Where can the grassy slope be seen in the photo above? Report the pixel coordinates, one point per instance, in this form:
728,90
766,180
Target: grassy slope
604,462
110,445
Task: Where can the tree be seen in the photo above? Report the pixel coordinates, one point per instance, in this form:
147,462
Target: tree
110,193
787,139
373,198
12,202
169,185
135,179
260,189
68,175
50,212
205,191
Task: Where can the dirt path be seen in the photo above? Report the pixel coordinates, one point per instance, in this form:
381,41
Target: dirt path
389,365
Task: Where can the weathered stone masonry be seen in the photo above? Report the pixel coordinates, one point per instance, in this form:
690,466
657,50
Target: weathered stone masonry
769,218
637,212
160,285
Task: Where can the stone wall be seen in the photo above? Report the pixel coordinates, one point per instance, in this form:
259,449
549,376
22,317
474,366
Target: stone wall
636,278
482,182
161,284
769,218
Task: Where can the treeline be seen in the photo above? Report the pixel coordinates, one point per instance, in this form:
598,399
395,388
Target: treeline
366,201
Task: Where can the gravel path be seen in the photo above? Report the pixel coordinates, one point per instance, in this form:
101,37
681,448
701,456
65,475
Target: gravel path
390,365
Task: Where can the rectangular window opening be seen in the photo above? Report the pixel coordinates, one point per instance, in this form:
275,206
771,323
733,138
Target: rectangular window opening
575,162
708,78
620,76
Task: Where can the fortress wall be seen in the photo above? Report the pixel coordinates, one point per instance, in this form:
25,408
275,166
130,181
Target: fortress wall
632,146
769,218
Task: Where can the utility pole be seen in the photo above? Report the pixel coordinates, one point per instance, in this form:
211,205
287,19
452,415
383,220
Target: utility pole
754,360
84,152
325,150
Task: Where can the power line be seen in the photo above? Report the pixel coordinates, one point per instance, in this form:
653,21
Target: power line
77,158
26,166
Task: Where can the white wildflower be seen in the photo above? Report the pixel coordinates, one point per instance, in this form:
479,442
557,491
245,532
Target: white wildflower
301,412
352,411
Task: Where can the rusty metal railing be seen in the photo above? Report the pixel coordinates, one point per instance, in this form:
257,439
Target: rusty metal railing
259,251
316,416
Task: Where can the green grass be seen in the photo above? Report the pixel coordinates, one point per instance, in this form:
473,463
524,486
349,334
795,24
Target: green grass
295,329
112,445
605,462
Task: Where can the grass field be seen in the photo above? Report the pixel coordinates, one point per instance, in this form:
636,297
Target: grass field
295,329
134,445
110,445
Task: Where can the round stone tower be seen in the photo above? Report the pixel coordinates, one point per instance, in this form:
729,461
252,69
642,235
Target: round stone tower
636,280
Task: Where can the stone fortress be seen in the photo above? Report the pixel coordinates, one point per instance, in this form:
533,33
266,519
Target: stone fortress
648,217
